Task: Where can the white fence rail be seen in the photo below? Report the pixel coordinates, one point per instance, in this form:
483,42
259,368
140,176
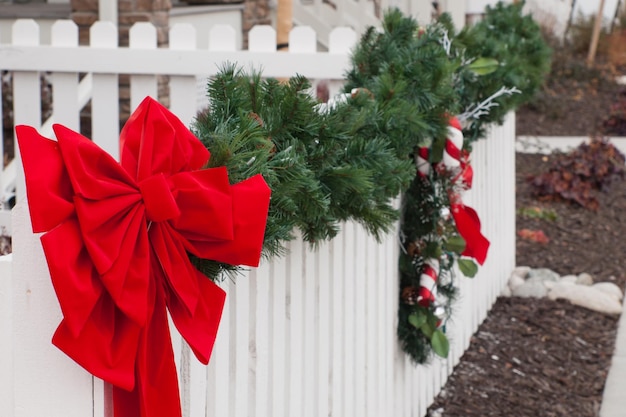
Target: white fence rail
311,334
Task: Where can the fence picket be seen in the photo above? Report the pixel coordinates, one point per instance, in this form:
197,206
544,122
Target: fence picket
322,348
222,38
218,381
65,84
241,347
6,334
295,316
360,273
26,92
279,340
260,285
338,333
310,365
105,95
349,320
142,35
262,39
302,39
183,37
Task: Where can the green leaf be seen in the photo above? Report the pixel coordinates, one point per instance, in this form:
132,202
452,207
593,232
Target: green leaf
440,343
436,150
417,319
427,329
455,244
467,267
483,66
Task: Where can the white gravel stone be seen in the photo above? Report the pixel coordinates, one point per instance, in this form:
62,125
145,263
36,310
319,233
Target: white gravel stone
530,289
515,281
584,279
586,296
569,279
542,274
609,288
521,271
549,284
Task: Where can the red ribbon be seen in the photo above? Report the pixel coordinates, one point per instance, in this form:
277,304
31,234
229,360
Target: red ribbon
116,243
466,219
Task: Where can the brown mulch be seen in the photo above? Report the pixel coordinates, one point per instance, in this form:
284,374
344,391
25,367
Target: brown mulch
537,357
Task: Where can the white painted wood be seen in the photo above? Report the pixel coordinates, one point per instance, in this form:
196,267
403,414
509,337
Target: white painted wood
262,39
342,40
310,380
372,378
322,348
6,333
26,92
349,321
222,38
360,326
142,36
65,84
337,258
38,365
166,61
105,94
218,381
241,348
262,341
107,11
295,317
302,39
279,329
183,37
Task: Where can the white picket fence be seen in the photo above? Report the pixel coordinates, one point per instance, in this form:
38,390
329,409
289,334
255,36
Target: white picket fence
311,334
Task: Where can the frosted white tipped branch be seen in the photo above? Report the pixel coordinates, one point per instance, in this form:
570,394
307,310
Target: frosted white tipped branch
475,111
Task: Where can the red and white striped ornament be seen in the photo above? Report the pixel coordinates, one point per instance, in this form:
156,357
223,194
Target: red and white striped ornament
451,155
454,144
428,283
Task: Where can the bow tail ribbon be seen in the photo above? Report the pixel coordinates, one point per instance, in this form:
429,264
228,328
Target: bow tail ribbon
468,226
156,392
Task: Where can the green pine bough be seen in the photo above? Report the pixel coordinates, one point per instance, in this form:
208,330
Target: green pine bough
349,161
324,167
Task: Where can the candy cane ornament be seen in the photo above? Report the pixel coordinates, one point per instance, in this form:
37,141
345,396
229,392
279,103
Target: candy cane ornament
451,154
428,283
454,144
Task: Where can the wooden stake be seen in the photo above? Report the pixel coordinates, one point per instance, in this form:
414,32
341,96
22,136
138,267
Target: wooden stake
284,23
595,37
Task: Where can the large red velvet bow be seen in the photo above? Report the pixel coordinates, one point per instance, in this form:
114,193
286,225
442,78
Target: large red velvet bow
116,243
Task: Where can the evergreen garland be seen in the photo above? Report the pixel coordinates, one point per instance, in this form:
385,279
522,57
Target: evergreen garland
348,161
